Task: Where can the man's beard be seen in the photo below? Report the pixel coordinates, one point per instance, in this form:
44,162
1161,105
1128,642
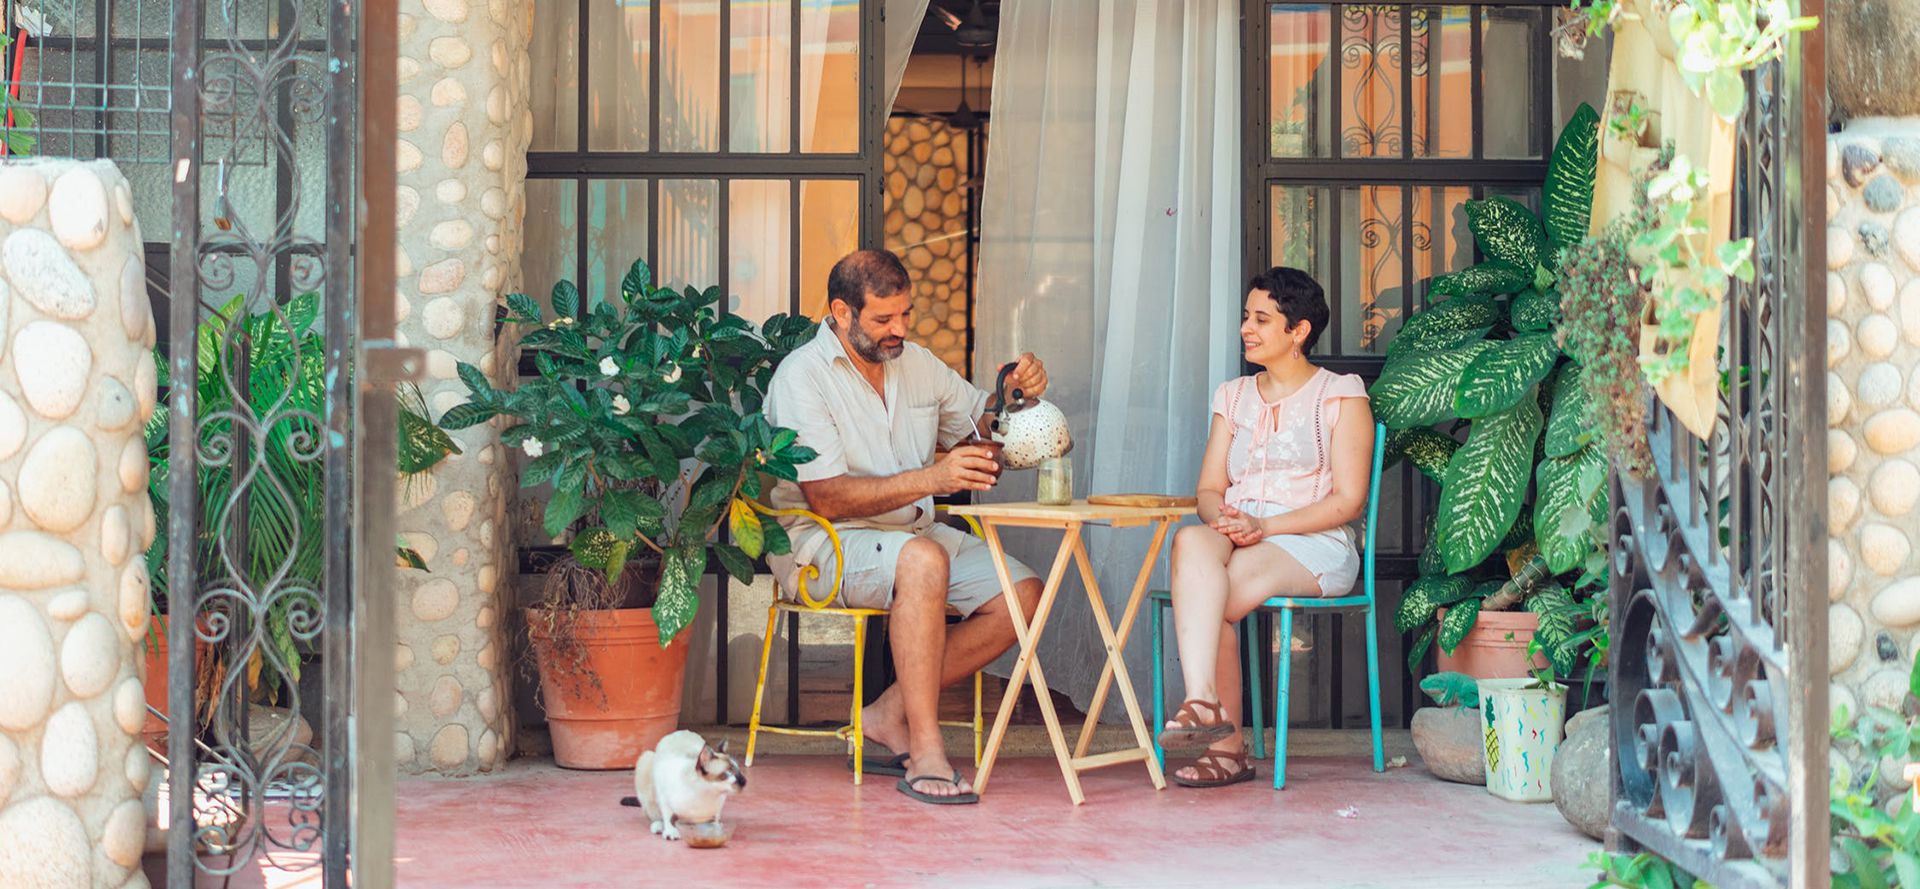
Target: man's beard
870,349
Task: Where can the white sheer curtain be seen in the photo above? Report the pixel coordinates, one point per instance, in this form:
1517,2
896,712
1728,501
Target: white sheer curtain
903,24
1110,247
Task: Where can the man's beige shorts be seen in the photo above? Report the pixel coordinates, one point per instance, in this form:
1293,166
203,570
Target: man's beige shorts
872,556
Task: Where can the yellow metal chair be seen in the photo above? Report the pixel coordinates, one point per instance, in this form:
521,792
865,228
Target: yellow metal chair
853,733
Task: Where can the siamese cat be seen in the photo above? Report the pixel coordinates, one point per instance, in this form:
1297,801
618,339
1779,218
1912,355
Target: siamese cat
683,780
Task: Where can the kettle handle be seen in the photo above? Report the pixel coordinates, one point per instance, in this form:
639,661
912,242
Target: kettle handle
999,401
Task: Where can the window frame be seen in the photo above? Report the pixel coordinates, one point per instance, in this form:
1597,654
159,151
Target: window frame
1397,563
583,165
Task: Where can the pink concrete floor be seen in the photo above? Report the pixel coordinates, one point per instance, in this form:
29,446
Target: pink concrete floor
800,823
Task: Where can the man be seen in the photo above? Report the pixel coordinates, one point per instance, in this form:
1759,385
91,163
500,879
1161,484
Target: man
877,408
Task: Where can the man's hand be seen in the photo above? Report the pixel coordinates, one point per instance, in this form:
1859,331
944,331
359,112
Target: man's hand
1238,527
1029,376
966,468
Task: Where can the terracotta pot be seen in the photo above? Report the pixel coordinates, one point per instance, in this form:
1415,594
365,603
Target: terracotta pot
153,646
625,697
1496,647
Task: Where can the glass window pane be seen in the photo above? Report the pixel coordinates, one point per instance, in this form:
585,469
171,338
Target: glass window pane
831,210
689,253
620,62
689,75
1371,122
1441,240
830,76
1510,78
1441,48
554,60
553,241
1298,80
1298,229
1373,277
761,86
616,235
759,247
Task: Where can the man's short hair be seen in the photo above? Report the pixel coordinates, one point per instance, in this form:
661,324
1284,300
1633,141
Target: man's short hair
1299,297
865,273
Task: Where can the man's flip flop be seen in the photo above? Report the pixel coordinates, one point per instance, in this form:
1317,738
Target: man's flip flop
907,787
892,768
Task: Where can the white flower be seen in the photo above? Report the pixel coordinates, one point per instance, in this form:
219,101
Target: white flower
562,321
621,405
533,447
672,376
608,367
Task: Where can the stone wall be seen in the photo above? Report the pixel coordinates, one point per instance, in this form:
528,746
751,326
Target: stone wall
464,125
76,384
1873,411
926,224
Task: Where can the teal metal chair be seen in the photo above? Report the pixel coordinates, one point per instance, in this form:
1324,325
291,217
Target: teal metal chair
1363,603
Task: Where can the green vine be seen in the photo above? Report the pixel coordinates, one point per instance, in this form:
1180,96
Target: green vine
1715,40
1690,280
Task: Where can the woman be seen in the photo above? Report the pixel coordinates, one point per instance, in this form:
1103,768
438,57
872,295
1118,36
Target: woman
1285,473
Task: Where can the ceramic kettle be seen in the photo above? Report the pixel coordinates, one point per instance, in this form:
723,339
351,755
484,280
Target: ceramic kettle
1032,431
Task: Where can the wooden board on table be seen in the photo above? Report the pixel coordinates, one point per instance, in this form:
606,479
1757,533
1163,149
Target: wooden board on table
1142,501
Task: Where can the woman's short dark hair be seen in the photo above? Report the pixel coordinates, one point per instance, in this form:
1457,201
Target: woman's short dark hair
1299,297
865,273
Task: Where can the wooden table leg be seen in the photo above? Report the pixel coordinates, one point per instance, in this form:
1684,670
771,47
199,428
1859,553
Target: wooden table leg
1027,665
1116,667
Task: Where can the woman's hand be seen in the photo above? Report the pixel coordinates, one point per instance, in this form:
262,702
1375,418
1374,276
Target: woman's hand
1238,527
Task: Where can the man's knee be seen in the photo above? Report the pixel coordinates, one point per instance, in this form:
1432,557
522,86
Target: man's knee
1028,592
922,569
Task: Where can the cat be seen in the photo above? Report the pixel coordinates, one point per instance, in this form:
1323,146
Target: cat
683,779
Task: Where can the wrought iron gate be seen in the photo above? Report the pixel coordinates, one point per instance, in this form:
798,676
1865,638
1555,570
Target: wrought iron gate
1719,665
279,529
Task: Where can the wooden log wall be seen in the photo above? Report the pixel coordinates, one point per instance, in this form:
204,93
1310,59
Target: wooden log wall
926,226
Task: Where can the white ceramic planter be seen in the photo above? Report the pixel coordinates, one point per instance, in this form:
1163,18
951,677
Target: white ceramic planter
1524,724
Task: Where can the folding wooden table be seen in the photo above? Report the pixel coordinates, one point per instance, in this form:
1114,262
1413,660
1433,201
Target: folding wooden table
1070,520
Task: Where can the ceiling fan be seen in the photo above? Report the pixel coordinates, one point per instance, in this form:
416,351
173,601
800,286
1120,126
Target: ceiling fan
972,31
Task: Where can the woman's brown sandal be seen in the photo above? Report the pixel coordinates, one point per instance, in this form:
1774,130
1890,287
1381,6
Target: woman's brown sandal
1192,729
1217,768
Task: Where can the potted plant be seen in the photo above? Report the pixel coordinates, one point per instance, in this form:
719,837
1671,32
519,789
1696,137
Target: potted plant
1523,500
284,362
646,418
1525,720
1448,736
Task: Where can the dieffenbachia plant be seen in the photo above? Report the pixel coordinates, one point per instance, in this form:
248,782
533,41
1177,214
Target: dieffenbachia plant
1485,355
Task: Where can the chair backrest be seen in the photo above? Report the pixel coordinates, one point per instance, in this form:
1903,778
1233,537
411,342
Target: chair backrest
1373,506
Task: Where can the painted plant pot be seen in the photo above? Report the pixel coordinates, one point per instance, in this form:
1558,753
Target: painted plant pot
1524,724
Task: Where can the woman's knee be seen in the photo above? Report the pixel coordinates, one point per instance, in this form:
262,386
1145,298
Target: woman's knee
1199,541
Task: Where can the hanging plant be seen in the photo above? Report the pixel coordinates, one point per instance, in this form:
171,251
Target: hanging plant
1714,40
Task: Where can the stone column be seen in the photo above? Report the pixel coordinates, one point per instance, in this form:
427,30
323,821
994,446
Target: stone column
76,383
464,125
1873,412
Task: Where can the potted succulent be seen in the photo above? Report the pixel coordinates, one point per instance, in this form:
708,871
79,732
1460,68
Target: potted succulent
646,419
1523,499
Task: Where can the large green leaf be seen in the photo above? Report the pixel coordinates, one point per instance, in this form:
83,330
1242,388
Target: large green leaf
1426,595
1426,449
1568,427
1567,509
1417,389
1567,196
1491,277
1507,231
1445,326
1417,652
679,600
1535,310
1458,623
1485,485
1500,377
637,282
1557,612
